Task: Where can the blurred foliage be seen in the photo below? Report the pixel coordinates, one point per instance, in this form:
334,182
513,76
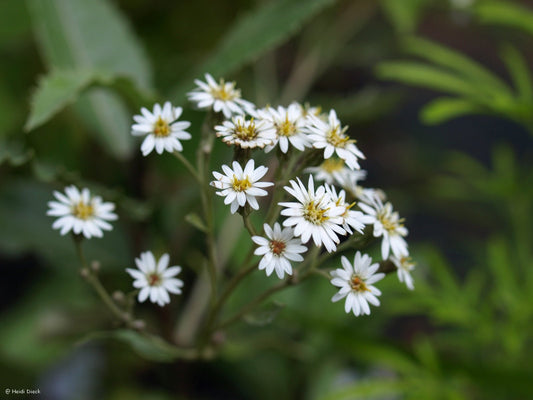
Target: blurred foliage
76,70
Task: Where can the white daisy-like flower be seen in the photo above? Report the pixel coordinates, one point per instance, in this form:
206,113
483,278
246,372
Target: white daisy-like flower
306,110
162,129
221,97
355,283
334,171
350,218
314,215
240,186
405,265
278,249
246,134
333,139
387,223
155,279
81,213
288,123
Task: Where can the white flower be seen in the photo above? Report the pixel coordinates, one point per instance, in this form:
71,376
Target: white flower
288,123
240,186
405,265
246,134
154,278
222,97
334,171
350,218
162,128
389,225
80,212
278,249
332,138
314,215
355,283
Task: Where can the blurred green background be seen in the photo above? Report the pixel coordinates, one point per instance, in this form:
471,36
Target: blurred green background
439,95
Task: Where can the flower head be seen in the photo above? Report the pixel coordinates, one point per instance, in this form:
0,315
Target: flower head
334,171
350,218
288,123
154,279
333,139
240,186
355,283
221,97
278,249
404,266
314,215
246,134
162,129
387,223
81,213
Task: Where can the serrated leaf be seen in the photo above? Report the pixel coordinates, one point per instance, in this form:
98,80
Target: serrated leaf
255,33
445,108
196,221
63,87
81,35
505,13
265,314
54,92
145,345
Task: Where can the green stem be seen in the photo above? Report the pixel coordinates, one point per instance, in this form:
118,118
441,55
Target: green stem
187,165
93,280
248,224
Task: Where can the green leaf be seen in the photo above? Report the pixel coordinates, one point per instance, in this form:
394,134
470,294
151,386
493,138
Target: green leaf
61,88
145,345
505,13
427,76
519,71
404,14
458,62
255,33
54,92
82,35
196,221
445,108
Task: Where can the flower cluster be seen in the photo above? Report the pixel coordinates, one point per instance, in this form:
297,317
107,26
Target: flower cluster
333,209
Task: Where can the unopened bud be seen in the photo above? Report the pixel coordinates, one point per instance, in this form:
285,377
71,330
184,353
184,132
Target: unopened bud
84,272
118,296
139,324
95,265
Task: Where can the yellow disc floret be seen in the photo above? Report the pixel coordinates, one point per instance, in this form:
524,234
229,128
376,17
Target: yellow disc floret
337,138
240,185
161,128
357,284
83,211
315,214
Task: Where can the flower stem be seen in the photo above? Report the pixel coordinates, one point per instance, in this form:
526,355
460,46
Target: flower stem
187,165
93,280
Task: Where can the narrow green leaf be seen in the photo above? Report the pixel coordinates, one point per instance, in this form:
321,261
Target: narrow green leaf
404,14
196,221
424,75
519,71
505,13
81,35
443,109
458,62
255,33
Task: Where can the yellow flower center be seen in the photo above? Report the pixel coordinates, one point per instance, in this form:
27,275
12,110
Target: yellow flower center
154,279
225,92
332,165
161,128
357,284
286,128
337,138
244,132
315,214
240,185
277,247
83,211
388,224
